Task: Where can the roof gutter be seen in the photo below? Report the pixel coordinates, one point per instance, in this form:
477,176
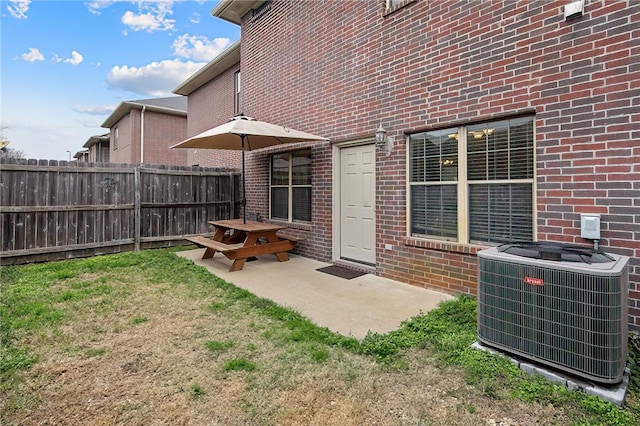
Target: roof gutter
144,107
126,107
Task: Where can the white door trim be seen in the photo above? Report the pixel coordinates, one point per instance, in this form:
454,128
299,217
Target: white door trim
335,214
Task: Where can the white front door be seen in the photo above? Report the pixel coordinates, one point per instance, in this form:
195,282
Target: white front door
357,203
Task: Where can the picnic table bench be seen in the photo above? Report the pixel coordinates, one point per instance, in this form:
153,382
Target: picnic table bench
239,241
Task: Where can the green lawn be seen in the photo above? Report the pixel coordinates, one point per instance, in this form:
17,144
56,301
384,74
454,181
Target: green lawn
150,337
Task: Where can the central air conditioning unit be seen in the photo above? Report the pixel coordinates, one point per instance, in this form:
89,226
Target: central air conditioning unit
564,306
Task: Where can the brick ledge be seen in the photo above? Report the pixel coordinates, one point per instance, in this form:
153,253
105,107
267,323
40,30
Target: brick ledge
292,225
443,245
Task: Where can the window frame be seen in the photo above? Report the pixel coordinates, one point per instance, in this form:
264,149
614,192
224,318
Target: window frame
237,88
290,186
463,184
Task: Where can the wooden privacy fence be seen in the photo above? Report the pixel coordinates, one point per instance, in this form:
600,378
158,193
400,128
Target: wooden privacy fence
57,209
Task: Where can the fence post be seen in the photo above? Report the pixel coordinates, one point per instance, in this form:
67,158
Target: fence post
136,208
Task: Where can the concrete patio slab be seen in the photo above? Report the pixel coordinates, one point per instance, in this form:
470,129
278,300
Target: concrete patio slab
349,307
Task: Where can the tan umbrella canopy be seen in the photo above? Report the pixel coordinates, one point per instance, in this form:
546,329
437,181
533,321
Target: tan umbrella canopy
246,134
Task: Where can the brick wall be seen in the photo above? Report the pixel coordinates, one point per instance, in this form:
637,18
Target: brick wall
160,132
340,69
125,149
315,236
98,152
209,106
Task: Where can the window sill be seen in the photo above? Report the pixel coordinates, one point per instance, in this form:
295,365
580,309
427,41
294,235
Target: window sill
443,245
292,225
398,6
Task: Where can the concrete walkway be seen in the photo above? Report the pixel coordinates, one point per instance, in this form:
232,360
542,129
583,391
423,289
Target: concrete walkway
349,307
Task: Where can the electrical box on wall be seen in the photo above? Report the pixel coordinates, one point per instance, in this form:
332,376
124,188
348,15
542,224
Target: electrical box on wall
590,226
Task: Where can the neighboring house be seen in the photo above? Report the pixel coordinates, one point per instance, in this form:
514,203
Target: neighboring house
214,97
97,149
82,156
505,121
142,131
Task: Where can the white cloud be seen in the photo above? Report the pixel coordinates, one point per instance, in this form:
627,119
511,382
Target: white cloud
75,58
151,16
154,79
96,7
94,109
143,21
34,55
18,8
195,18
199,47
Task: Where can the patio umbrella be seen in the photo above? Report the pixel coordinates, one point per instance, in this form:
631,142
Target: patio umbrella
246,134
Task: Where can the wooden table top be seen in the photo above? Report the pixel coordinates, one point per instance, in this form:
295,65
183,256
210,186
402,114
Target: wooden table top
250,226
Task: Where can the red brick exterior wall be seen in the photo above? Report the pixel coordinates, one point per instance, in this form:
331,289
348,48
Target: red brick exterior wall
125,148
98,152
209,106
340,69
160,132
316,236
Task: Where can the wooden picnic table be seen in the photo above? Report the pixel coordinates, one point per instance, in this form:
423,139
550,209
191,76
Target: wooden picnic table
239,241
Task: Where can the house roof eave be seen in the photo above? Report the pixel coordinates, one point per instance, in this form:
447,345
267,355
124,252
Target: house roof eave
127,106
81,153
233,10
96,139
221,63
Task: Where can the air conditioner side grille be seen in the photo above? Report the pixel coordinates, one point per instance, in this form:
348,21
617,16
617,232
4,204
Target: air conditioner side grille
576,322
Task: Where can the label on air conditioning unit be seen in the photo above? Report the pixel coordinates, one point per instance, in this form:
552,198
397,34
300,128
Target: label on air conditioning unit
533,281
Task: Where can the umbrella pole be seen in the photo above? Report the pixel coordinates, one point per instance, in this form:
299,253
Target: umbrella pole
244,195
244,186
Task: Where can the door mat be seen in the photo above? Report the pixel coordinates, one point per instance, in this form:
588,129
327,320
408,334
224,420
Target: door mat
341,272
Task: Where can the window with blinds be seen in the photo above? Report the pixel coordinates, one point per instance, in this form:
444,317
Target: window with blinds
489,199
434,176
290,184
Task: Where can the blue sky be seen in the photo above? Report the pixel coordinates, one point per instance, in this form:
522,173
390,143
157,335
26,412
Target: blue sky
65,65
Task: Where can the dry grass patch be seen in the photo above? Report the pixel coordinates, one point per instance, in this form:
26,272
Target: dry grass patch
149,338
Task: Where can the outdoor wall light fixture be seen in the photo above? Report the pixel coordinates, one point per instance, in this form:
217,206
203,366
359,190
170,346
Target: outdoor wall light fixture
383,142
